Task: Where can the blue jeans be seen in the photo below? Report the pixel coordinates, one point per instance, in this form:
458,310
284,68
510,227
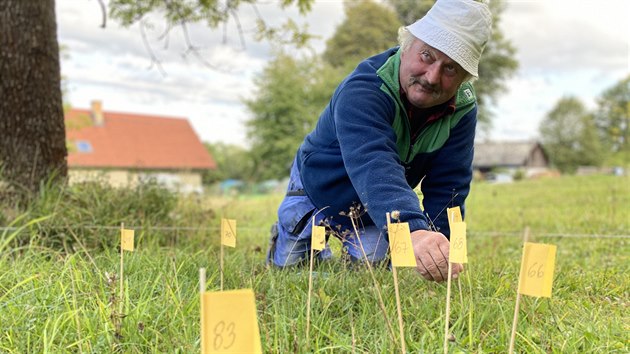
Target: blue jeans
291,235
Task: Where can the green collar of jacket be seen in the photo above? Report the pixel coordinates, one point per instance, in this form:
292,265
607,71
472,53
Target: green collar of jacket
435,134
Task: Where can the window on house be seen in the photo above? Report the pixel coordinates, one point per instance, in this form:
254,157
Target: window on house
84,146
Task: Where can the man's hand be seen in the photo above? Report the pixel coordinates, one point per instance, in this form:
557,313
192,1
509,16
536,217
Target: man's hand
431,250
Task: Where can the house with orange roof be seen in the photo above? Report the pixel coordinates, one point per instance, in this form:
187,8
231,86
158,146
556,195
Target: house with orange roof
124,149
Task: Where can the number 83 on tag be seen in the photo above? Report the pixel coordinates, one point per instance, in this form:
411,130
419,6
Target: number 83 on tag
229,322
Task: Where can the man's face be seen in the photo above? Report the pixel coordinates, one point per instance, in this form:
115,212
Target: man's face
427,76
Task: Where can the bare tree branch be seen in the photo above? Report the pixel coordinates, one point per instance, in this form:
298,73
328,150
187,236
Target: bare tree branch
181,13
154,58
224,41
195,50
104,12
238,25
165,36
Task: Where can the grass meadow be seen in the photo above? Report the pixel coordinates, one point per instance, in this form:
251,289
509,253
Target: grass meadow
59,264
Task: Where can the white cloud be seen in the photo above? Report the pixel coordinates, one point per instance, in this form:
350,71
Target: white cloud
565,48
568,35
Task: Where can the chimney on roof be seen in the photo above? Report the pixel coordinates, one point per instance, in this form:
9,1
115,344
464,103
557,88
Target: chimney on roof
97,113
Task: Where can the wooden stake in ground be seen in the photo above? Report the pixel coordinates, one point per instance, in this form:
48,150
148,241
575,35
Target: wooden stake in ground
381,303
122,233
228,238
318,242
402,255
535,277
126,244
457,254
202,289
455,215
448,306
518,299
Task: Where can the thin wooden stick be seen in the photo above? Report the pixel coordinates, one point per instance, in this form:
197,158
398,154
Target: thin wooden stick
221,265
448,306
403,347
122,252
514,322
202,280
518,298
202,289
447,314
310,288
459,283
310,280
470,310
354,340
381,303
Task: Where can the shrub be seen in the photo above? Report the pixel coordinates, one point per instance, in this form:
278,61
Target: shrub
90,214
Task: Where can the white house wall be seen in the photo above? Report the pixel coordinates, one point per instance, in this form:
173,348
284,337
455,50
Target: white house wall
185,182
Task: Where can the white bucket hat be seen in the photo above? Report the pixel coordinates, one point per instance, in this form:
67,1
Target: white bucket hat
458,28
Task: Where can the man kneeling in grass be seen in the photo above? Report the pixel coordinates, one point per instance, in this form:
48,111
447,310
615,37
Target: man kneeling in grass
401,117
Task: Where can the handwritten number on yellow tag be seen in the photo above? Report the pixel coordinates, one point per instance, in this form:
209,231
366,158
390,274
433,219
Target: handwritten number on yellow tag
127,237
537,269
458,244
318,237
458,252
230,322
223,332
400,245
228,232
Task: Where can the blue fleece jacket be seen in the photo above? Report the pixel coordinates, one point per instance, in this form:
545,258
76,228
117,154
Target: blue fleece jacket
361,151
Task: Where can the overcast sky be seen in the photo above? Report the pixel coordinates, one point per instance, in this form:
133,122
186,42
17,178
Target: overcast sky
572,47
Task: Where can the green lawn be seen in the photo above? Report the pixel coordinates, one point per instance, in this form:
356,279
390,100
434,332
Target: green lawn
54,301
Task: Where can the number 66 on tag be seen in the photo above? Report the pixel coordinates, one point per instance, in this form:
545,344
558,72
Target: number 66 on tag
458,251
537,269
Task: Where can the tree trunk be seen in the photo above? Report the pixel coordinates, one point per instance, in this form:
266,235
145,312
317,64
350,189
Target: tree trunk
32,130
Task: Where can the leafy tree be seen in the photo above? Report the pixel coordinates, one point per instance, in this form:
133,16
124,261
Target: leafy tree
233,162
410,11
368,29
497,62
569,136
291,94
613,118
32,148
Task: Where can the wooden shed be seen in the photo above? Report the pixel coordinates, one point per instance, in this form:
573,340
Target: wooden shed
511,156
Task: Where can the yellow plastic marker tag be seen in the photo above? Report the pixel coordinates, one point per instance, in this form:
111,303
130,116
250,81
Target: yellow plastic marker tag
318,238
228,232
229,322
458,251
454,215
537,269
126,239
400,245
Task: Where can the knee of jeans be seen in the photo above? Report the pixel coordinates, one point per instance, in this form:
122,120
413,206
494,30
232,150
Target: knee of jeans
288,250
